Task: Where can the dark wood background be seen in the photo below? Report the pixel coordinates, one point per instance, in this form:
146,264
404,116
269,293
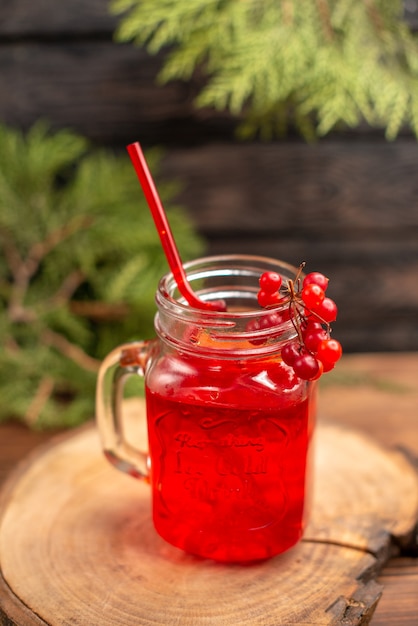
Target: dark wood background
347,205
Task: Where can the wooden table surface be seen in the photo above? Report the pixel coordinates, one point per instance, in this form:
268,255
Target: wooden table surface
374,393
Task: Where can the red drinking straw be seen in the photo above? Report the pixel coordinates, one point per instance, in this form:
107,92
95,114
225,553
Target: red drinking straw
164,231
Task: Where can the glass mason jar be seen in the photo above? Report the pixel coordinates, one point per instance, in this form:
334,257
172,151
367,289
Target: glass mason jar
229,423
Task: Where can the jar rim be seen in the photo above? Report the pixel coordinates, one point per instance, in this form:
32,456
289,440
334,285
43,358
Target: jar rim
205,266
235,279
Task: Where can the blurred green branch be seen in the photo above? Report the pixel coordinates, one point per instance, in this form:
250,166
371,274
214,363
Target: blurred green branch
79,264
315,64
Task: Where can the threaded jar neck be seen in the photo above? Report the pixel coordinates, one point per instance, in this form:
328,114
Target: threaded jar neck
244,329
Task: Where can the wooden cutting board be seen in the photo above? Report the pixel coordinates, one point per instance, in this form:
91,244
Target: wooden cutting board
77,544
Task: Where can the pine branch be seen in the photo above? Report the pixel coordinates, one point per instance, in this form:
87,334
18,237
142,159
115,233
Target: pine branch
40,249
69,350
307,60
37,403
79,278
101,311
287,12
325,16
67,288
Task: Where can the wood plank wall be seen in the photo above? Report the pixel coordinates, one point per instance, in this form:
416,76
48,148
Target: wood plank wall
347,205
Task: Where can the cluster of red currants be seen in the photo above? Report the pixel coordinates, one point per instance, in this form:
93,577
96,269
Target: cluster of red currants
311,312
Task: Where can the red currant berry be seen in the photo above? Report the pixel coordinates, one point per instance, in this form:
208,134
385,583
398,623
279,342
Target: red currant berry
327,367
271,320
313,338
268,299
326,310
316,278
329,351
309,325
312,295
320,370
290,352
306,367
253,326
270,282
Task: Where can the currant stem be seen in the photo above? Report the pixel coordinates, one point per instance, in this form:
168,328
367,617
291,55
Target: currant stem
294,313
299,272
297,308
314,352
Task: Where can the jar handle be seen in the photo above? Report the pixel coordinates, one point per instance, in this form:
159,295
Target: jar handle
124,361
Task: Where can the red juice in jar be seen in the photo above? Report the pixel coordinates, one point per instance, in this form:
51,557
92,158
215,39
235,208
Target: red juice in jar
230,442
229,423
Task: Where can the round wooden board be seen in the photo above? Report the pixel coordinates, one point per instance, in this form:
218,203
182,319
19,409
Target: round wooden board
77,544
